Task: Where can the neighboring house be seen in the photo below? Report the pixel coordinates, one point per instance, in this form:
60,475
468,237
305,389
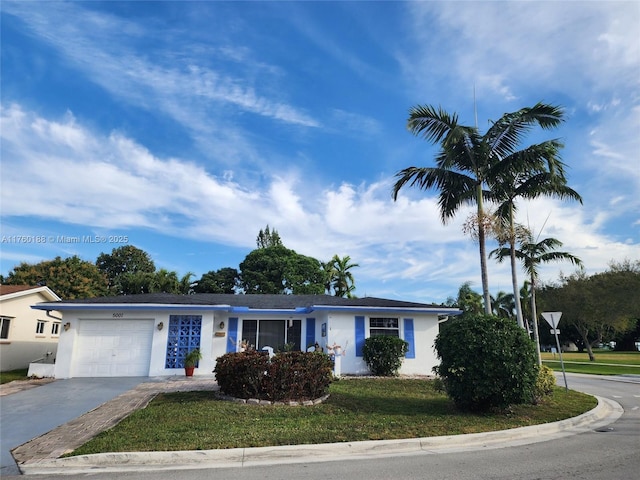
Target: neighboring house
27,335
149,334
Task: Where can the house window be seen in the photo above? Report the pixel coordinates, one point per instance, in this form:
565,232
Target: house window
55,329
183,336
40,327
384,326
272,333
4,327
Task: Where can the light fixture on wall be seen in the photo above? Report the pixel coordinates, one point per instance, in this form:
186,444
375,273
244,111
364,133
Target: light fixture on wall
67,326
160,326
221,325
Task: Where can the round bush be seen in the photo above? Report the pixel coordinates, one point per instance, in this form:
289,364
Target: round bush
384,354
486,362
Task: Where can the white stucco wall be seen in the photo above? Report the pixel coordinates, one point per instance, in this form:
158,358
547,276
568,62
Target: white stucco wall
340,329
23,344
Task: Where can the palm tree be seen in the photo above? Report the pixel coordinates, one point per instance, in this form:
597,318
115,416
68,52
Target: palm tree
532,255
469,164
342,279
530,173
504,304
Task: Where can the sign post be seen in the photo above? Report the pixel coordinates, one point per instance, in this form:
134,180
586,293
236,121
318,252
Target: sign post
553,318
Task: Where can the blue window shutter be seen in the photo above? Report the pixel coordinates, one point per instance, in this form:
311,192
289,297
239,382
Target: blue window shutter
311,333
409,338
232,336
360,332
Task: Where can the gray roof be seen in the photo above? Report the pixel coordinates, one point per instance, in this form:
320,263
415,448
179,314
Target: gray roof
245,302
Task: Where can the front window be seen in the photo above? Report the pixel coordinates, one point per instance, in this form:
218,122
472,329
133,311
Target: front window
55,328
384,326
40,327
277,334
4,327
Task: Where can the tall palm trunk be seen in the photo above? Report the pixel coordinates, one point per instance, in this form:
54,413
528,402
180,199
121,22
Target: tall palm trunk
514,268
483,253
534,318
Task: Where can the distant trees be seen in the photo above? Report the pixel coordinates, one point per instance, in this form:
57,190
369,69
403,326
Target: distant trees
128,270
223,280
268,238
600,306
69,277
279,270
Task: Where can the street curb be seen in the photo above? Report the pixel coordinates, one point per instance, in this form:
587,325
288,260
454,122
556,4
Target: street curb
606,412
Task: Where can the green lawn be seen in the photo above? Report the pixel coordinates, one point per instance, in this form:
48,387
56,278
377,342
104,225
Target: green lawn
11,375
606,363
358,409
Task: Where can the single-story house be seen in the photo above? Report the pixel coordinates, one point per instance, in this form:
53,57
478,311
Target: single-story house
27,335
150,334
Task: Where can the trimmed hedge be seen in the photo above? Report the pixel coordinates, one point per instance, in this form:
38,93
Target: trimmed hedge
384,354
286,376
486,362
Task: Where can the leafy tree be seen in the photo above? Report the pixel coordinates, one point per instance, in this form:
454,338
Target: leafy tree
467,300
69,278
486,362
125,260
531,255
469,165
268,238
224,280
279,270
598,306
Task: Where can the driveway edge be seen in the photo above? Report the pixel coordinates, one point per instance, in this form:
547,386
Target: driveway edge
606,412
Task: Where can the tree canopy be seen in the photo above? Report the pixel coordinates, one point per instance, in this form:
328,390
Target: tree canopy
129,262
69,278
279,270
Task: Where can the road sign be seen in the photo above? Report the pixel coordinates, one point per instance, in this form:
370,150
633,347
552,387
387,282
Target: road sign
552,318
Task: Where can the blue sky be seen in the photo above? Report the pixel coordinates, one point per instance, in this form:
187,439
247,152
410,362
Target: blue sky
186,127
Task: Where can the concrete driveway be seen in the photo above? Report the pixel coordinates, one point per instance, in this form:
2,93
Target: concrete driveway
30,413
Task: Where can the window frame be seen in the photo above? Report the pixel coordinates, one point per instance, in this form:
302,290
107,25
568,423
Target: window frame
5,327
40,327
379,330
289,330
55,329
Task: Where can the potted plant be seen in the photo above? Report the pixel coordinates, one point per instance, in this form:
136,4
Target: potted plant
191,360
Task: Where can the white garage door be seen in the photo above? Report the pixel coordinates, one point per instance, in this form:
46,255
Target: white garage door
113,348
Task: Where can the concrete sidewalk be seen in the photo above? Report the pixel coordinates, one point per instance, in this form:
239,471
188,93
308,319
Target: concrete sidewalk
41,455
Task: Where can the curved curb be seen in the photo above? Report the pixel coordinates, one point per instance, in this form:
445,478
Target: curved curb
606,412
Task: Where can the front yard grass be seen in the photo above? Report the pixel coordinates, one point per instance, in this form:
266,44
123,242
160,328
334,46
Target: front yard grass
11,375
606,363
358,409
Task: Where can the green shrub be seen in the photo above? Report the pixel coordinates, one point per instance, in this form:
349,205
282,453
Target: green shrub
384,354
544,384
486,362
242,374
298,376
286,376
